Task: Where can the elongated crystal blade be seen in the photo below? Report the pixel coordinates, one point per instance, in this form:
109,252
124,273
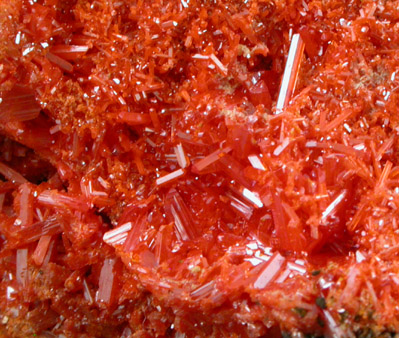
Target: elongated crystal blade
290,73
271,270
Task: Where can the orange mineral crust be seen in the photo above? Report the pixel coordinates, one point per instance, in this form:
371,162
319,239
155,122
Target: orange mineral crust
184,168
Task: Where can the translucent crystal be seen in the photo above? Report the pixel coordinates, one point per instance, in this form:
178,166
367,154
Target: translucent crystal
270,271
19,105
11,174
106,282
178,212
22,267
41,250
290,73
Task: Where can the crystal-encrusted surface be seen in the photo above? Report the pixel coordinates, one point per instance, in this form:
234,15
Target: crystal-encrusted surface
199,169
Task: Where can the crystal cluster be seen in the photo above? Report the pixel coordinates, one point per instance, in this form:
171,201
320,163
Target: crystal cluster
198,168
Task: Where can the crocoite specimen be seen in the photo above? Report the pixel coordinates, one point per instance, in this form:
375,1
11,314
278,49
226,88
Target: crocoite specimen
183,168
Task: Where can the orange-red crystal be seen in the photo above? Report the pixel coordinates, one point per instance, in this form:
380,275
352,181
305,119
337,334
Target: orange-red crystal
198,168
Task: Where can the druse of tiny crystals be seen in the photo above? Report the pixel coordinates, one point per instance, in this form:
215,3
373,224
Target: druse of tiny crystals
199,168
